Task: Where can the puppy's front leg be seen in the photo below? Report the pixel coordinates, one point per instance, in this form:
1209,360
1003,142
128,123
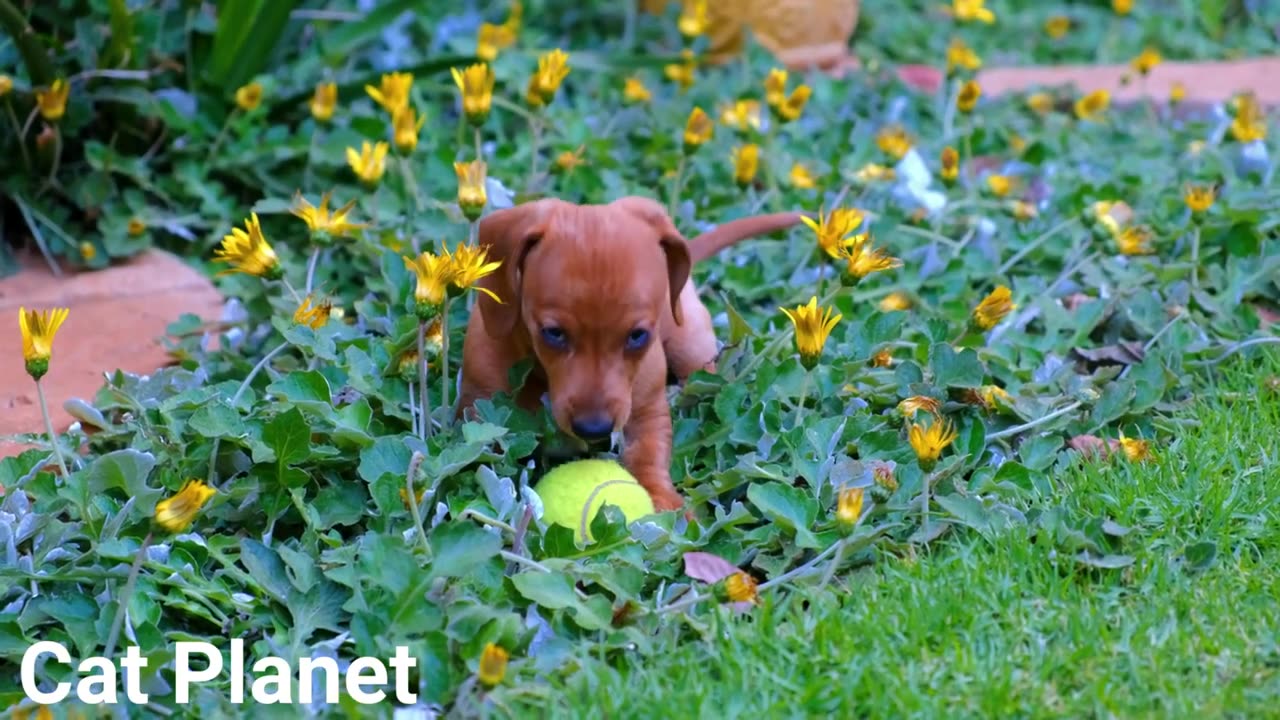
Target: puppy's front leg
648,451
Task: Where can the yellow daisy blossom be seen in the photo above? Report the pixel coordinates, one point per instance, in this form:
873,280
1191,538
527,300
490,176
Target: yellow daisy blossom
681,73
324,101
694,19
1146,61
325,225
971,10
1134,240
405,128
493,665
698,129
176,513
894,141
894,301
994,308
861,260
741,587
475,83
790,110
967,98
950,162
928,442
248,251
433,274
742,115
38,328
961,57
52,102
635,92
469,265
370,163
775,88
313,316
1057,26
916,403
249,97
1199,198
746,161
392,92
849,506
812,327
836,230
1092,106
471,187
553,68
801,178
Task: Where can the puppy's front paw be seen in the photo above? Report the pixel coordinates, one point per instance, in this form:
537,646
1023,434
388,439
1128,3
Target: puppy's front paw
664,500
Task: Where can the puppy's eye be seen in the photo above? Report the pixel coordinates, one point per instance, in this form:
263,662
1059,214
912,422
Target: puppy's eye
555,337
637,339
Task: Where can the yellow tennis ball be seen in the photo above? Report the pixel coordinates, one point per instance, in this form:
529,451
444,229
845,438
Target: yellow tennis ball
573,493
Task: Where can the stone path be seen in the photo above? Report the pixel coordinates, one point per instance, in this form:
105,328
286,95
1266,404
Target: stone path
117,318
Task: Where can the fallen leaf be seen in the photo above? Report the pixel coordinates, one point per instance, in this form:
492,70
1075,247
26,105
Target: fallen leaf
707,567
1090,446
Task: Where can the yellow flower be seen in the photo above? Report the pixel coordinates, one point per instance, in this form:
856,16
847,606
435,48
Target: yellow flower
801,177
53,101
871,172
411,360
88,251
849,506
967,98
313,317
469,265
1092,106
1040,103
1177,93
1135,240
1000,185
324,101
489,39
176,513
553,68
895,300
137,226
894,141
249,97
812,327
1103,214
37,328
961,56
698,129
1057,26
1023,210
634,91
775,88
790,110
1122,7
247,251
471,190
1249,124
493,665
325,225
993,308
929,442
1135,450
476,85
1199,197
914,404
742,115
370,163
969,10
6,85
746,160
882,359
693,18
433,274
861,260
569,160
741,587
950,165
993,394
406,127
882,474
1146,61
392,92
835,231
681,73
1016,143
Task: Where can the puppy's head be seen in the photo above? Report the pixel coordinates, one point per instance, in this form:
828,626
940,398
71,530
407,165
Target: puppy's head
589,285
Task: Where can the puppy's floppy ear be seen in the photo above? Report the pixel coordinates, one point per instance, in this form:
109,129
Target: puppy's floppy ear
674,245
508,235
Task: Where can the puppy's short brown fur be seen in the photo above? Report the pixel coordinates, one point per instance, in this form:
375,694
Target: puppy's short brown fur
600,296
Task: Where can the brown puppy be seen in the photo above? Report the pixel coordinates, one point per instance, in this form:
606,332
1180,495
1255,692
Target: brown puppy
600,296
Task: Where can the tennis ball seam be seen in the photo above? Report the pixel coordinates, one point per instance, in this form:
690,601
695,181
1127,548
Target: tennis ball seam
583,520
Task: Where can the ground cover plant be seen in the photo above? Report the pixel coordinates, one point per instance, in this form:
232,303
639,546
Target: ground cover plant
990,349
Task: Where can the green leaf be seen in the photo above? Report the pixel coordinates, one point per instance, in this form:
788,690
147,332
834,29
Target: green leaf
554,591
388,455
290,437
217,419
126,470
1202,555
789,507
952,369
308,390
1105,562
458,548
264,566
1114,402
320,608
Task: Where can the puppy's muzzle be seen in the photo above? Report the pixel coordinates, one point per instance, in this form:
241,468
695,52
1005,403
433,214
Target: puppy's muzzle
594,429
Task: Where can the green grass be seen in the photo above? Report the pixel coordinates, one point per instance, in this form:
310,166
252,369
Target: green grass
1008,628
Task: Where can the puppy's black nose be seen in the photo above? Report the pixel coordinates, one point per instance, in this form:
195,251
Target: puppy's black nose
593,428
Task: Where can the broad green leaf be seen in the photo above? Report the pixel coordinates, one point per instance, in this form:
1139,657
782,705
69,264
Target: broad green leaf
266,567
308,390
955,369
789,507
458,548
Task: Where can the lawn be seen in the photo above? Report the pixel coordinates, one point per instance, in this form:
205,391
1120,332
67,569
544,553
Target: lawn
1027,471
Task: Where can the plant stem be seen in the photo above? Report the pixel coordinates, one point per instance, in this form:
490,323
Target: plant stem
479,145
48,426
674,200
222,134
444,357
522,560
296,297
800,570
1195,257
835,562
415,462
1044,237
311,268
17,130
424,428
535,131
1034,423
804,395
124,597
212,474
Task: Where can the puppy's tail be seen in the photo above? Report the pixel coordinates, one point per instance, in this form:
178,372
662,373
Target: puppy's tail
713,241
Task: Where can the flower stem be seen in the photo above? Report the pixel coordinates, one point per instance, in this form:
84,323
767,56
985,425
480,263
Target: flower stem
424,428
444,357
17,129
296,297
48,426
1195,257
212,474
1044,237
57,155
122,602
479,145
676,181
222,134
1034,423
804,395
311,268
415,462
835,562
800,570
535,142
